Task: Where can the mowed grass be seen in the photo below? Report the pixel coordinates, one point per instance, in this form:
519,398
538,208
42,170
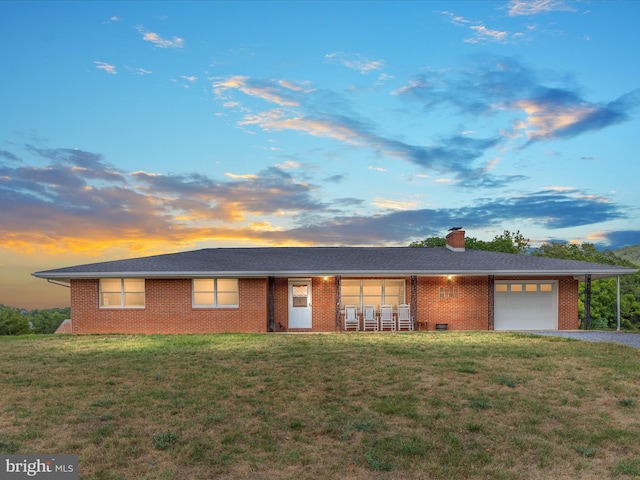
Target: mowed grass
422,405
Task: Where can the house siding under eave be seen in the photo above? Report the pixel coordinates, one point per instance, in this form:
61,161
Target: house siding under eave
169,310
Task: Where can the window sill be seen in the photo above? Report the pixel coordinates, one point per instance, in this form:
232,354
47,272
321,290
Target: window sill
213,307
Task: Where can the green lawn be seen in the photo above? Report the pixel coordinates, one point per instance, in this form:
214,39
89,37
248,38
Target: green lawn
425,405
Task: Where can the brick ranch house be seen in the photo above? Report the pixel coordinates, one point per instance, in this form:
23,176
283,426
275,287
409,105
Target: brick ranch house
306,289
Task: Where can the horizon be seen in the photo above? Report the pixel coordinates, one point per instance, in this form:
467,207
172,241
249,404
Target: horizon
138,129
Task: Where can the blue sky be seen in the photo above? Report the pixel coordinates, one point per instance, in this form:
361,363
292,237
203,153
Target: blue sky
136,128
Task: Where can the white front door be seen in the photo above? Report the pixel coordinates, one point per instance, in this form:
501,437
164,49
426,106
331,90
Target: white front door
300,303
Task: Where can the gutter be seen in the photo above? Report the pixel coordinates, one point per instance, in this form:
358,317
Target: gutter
66,277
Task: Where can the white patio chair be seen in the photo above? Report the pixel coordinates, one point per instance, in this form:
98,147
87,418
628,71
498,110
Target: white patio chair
351,320
405,322
370,321
387,319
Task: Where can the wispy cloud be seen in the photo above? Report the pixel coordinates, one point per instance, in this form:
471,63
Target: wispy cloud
536,7
486,86
499,85
289,165
451,154
9,156
283,93
354,61
244,176
139,71
483,34
617,239
77,197
328,127
456,19
455,153
107,67
159,41
390,204
558,113
551,210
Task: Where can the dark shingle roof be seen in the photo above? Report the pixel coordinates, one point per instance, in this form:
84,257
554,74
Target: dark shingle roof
314,261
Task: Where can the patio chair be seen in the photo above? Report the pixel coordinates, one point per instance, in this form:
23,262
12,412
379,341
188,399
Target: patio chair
405,322
370,321
387,319
351,320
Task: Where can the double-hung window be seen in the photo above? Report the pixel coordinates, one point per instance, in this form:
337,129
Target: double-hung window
215,292
122,292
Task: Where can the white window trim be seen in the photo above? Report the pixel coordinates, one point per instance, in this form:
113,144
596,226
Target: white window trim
122,306
215,293
523,284
383,293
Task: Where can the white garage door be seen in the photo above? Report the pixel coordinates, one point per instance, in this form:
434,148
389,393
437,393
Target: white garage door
523,305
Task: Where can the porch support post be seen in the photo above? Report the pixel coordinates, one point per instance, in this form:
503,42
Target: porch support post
414,300
491,280
587,301
271,304
338,302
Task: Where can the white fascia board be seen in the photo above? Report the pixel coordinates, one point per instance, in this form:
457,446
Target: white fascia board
345,273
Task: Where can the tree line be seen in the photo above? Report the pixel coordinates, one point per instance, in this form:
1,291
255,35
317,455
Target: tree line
603,291
18,321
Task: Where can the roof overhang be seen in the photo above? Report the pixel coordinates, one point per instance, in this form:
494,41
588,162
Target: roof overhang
578,275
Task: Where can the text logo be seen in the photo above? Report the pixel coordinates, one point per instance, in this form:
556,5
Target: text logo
49,467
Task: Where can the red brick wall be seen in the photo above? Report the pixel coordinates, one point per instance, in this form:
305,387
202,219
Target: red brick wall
168,307
281,304
324,304
568,318
168,310
469,309
464,307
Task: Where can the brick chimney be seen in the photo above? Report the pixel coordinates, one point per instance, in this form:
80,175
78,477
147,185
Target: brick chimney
455,240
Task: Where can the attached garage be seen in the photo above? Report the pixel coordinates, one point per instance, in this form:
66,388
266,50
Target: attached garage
526,305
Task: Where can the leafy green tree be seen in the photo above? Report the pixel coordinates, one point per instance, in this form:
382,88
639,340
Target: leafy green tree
13,321
429,242
48,321
586,252
604,303
507,242
630,308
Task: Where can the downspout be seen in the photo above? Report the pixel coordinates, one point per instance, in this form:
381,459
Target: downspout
338,302
491,301
414,300
271,315
618,298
